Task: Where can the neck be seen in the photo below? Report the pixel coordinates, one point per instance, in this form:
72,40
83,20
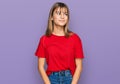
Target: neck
58,30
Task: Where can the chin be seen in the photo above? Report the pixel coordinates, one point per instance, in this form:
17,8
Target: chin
61,24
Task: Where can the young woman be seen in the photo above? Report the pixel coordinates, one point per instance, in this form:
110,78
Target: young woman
60,48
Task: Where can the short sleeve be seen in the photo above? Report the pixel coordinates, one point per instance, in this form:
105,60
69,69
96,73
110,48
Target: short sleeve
78,47
40,51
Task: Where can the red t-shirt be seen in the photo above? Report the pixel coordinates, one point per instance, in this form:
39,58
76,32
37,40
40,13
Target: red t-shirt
60,52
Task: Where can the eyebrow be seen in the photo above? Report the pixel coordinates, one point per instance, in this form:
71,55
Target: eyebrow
62,9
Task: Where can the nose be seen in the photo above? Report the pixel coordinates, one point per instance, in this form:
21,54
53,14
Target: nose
62,15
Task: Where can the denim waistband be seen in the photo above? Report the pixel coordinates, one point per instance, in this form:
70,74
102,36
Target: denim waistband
61,73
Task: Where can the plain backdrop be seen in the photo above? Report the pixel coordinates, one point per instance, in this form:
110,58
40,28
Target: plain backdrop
97,22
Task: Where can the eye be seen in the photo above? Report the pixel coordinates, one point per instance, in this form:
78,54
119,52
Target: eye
66,14
58,12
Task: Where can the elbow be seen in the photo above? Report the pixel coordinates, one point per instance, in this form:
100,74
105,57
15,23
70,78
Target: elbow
79,64
41,64
40,68
79,68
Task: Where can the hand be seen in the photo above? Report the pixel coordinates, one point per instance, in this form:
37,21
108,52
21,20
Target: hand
73,83
47,83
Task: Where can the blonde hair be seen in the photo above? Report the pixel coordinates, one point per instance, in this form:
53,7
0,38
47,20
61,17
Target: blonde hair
49,29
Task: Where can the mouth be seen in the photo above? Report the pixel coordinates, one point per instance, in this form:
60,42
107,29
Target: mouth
62,20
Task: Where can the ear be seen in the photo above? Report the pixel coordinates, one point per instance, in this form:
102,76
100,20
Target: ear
51,18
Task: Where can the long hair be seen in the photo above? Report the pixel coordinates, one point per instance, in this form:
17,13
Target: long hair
50,28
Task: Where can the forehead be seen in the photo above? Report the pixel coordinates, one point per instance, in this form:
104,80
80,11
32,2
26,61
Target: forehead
61,9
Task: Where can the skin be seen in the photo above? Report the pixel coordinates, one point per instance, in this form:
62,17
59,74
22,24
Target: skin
59,19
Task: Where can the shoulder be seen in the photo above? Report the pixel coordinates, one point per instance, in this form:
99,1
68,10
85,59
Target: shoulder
44,36
75,35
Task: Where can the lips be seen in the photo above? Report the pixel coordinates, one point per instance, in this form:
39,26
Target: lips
62,20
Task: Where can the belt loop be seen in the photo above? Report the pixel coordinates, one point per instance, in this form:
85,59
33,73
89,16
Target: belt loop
66,72
52,73
59,73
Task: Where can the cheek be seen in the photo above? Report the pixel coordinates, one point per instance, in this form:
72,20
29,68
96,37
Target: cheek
66,17
66,20
55,18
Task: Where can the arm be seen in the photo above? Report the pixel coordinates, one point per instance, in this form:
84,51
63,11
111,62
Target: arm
77,71
41,63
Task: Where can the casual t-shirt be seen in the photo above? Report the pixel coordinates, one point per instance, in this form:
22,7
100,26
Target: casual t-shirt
60,52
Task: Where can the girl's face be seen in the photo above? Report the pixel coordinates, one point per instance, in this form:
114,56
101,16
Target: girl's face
60,17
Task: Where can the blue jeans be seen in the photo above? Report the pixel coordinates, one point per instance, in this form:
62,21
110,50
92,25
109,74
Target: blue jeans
61,77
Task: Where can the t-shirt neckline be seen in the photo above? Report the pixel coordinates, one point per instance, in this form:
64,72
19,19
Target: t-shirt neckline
57,35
